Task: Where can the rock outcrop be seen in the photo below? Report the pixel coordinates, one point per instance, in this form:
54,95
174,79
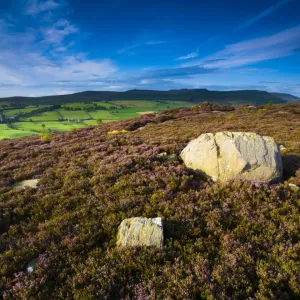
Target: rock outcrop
234,155
135,232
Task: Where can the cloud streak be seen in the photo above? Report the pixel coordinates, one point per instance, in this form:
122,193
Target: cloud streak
134,46
189,56
257,50
126,49
155,42
178,72
34,7
263,14
59,31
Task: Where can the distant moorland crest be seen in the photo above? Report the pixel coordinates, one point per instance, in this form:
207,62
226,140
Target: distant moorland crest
191,95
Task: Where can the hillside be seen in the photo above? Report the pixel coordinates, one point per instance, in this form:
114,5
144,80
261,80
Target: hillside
234,240
196,96
286,97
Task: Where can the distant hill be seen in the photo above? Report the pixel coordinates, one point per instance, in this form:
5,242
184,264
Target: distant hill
193,95
286,97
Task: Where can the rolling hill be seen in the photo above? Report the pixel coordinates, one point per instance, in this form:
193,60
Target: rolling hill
286,97
193,95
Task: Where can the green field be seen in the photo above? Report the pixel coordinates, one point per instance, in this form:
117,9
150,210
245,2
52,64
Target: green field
46,116
102,114
73,115
121,115
19,111
50,125
84,114
11,133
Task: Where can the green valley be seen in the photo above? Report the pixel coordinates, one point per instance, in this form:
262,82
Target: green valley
35,119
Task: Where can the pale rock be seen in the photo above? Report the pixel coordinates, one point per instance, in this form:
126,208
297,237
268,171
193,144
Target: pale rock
282,148
139,231
294,187
32,183
162,154
31,266
234,155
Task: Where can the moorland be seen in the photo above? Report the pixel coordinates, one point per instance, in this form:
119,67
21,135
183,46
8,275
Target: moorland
231,240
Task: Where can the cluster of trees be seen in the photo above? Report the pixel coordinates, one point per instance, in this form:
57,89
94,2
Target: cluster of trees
2,118
91,108
94,107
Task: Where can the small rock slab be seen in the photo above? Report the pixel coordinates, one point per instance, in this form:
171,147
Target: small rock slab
32,183
135,232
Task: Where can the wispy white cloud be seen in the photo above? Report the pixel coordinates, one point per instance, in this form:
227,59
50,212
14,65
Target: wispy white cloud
177,72
155,42
126,49
257,50
35,7
189,56
37,60
137,45
263,14
58,31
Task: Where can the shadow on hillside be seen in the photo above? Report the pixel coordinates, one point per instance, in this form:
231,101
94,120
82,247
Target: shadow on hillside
291,163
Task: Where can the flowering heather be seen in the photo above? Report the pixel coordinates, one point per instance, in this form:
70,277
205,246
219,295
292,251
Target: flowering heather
234,240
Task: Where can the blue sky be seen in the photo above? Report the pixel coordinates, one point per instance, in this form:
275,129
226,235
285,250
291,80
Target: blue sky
64,46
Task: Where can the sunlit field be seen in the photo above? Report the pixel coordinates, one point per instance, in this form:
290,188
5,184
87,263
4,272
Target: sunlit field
30,120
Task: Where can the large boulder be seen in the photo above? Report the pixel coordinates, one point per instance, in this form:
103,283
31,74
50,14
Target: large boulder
234,155
135,232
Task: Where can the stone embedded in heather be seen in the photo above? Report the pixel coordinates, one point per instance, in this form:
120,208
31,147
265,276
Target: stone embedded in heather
294,187
31,266
136,232
282,148
234,155
172,157
32,183
162,154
